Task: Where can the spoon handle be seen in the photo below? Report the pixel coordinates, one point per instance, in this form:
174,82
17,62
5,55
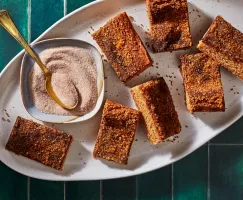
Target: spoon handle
7,23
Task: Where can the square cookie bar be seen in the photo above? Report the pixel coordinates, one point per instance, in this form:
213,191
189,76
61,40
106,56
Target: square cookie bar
40,143
169,25
116,134
123,47
202,81
224,43
155,102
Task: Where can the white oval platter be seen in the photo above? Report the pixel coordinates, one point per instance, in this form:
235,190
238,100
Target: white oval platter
197,129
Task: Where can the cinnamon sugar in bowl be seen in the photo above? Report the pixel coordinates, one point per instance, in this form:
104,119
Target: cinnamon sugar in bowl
78,60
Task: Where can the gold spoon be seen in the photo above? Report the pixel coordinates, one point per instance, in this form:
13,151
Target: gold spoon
7,23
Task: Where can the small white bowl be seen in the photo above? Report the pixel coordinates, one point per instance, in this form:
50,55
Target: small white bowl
28,63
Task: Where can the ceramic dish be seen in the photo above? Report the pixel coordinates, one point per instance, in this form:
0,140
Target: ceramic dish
196,129
28,63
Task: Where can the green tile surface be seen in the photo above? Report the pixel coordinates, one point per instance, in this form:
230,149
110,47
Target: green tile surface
13,184
226,172
44,14
191,176
75,4
83,190
46,190
232,135
155,185
8,46
120,189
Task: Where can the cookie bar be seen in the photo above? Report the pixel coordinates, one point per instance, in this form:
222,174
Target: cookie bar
224,43
123,47
155,102
40,143
169,25
202,81
116,134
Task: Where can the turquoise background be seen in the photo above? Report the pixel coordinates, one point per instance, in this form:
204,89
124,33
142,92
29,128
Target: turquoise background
213,172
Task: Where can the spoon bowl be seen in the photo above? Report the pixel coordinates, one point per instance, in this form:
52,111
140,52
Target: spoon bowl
53,92
28,63
64,89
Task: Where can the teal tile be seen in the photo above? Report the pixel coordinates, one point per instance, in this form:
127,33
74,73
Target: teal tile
8,46
44,14
232,135
14,185
87,190
155,185
75,4
119,189
226,172
46,190
191,176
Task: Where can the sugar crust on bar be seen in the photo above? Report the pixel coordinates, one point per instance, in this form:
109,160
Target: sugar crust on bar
40,143
123,47
202,81
224,43
169,25
116,134
155,102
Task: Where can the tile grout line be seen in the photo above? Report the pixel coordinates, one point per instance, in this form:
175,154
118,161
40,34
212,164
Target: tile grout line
29,20
101,189
28,188
136,187
172,181
65,7
64,190
208,191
